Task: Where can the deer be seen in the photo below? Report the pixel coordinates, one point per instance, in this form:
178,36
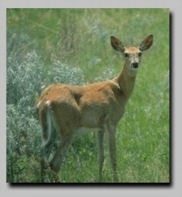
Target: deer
65,109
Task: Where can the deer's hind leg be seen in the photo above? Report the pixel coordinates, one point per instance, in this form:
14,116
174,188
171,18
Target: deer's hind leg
48,138
60,153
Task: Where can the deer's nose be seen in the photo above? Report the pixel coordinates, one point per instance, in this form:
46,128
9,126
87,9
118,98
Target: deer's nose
135,65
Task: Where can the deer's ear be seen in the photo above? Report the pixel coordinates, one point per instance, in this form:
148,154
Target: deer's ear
146,43
117,44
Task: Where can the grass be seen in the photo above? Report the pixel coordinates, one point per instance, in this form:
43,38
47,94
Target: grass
78,40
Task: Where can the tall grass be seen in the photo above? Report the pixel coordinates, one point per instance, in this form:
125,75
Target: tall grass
47,46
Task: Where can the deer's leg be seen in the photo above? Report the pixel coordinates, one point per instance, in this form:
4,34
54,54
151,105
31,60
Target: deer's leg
48,137
112,150
43,168
45,152
100,138
59,155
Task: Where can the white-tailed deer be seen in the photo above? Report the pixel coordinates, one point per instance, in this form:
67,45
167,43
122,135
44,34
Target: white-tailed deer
66,109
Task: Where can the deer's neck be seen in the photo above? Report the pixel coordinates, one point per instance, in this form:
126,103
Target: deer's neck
125,82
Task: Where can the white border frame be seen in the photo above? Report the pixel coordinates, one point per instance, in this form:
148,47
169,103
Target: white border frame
176,188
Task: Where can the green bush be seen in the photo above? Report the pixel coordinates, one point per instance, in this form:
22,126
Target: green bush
27,76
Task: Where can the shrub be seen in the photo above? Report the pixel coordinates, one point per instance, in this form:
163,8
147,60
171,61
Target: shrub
27,76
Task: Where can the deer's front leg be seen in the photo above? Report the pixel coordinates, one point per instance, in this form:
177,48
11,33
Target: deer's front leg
100,138
112,150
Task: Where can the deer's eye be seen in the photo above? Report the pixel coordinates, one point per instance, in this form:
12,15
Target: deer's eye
140,54
126,54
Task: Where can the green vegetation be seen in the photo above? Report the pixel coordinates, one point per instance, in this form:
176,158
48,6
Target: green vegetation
47,46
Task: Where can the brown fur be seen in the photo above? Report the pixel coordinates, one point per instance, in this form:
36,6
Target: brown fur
66,108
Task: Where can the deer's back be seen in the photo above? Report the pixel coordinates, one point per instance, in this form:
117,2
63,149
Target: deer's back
86,106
